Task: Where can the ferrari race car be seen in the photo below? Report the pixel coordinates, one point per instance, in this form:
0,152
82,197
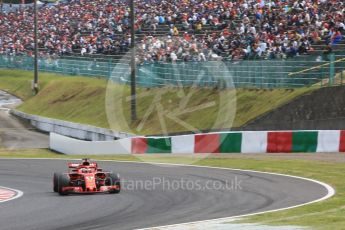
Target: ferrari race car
86,178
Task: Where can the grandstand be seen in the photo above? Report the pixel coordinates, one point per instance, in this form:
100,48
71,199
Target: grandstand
231,29
283,43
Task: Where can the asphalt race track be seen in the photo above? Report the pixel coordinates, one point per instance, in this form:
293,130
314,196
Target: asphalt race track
15,134
144,205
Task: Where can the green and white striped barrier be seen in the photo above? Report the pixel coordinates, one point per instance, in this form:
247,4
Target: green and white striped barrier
224,142
244,142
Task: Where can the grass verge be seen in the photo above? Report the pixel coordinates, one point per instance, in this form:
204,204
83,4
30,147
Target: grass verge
84,100
328,214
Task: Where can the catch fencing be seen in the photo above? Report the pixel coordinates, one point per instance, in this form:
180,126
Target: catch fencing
279,73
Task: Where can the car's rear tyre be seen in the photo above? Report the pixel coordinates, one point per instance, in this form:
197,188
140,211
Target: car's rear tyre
56,182
114,179
63,181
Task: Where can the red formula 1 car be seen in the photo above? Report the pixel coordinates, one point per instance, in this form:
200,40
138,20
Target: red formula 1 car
86,178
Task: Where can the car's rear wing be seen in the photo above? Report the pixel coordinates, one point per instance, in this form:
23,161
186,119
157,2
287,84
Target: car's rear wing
76,165
73,165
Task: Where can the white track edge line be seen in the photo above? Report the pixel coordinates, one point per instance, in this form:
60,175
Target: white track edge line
18,194
330,189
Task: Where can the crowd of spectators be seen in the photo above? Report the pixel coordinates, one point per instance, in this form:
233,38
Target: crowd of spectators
171,30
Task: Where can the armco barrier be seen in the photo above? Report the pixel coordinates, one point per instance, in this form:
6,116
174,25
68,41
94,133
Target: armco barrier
223,142
71,146
71,129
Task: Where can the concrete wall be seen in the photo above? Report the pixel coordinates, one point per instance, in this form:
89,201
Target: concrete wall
71,146
323,141
321,124
322,109
70,129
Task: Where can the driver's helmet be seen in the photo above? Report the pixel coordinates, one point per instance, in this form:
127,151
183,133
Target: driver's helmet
86,162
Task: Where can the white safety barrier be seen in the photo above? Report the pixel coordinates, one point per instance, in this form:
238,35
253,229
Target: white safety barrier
71,129
224,142
73,146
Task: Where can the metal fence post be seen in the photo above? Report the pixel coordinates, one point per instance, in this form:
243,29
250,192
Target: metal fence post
322,76
109,68
331,69
341,77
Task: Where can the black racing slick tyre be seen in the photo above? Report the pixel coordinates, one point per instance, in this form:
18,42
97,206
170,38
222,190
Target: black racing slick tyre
56,182
114,179
63,181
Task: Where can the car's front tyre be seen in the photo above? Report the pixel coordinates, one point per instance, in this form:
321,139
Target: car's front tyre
114,179
56,182
63,181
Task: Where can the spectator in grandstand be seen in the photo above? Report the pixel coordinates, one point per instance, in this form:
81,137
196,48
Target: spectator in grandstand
196,30
336,37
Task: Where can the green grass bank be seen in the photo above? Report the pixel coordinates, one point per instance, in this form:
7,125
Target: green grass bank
88,100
